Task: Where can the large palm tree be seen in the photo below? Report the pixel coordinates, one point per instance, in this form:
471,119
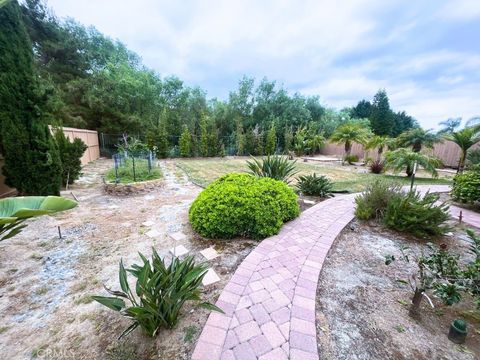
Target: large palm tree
417,138
465,139
349,133
400,159
380,143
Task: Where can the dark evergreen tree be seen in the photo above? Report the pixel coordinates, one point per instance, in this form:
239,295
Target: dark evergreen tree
381,117
71,153
402,123
363,110
32,161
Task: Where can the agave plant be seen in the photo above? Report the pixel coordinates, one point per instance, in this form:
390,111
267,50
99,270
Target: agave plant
14,211
315,185
161,291
275,167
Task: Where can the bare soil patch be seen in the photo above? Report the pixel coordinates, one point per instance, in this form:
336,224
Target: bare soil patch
362,304
46,281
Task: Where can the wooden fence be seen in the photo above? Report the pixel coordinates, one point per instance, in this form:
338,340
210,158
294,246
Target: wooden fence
89,137
447,151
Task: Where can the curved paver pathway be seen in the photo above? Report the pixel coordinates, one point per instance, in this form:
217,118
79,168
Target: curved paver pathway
269,302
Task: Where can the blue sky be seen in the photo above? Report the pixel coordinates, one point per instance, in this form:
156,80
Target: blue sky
426,54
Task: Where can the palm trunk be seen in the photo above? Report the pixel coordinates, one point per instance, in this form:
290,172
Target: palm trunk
461,162
348,150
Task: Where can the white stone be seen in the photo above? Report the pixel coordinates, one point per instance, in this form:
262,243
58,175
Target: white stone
149,197
178,236
308,202
209,253
148,223
210,277
153,233
179,250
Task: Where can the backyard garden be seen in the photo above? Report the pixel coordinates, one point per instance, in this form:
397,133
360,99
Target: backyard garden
266,226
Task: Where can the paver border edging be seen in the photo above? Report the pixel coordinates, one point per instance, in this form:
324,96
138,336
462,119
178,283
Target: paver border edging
269,302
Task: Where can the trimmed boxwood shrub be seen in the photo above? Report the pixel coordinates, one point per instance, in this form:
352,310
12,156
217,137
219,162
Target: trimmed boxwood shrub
466,187
243,205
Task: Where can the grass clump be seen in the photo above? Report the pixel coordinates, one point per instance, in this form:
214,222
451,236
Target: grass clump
315,185
125,174
243,205
373,202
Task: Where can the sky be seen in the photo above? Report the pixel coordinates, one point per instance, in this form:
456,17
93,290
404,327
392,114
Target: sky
426,54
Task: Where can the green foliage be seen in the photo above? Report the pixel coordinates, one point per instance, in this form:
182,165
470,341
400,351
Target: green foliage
349,133
161,290
417,215
401,159
243,205
465,139
32,163
373,202
271,141
466,187
417,138
14,211
125,172
381,117
185,142
70,155
315,185
473,158
351,158
203,138
275,167
240,139
157,139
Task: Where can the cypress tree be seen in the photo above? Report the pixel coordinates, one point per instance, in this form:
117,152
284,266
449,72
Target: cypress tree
32,161
204,138
185,142
271,141
381,117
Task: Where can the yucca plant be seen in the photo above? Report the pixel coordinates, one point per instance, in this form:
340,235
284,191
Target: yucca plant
161,291
315,185
14,211
275,167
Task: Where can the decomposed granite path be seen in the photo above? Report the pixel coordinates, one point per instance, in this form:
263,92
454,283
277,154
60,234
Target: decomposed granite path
269,303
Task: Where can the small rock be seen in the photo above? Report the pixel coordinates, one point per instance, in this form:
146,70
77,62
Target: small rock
178,236
209,253
179,250
308,202
153,233
210,277
148,223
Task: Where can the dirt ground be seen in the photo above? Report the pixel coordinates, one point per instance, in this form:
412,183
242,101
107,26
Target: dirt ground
46,281
362,304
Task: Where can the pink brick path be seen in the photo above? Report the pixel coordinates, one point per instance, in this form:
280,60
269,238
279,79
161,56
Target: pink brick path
269,302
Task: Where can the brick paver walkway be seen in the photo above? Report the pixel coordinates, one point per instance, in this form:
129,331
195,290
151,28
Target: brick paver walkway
269,302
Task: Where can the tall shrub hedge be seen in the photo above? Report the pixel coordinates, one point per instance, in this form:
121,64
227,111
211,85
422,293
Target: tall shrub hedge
243,205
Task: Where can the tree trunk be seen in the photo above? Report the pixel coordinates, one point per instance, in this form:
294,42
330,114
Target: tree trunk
348,150
409,170
416,301
461,162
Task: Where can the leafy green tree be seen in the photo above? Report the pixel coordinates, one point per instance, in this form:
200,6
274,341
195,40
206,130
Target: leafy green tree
379,143
71,153
203,138
465,139
349,133
287,139
185,142
362,110
418,138
401,159
381,117
240,139
271,141
32,162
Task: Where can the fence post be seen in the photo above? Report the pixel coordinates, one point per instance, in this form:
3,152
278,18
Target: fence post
115,162
133,165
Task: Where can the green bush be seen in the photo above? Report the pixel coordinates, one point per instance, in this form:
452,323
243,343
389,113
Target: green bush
315,185
466,187
125,172
473,158
243,205
417,215
161,291
275,167
70,155
351,158
373,202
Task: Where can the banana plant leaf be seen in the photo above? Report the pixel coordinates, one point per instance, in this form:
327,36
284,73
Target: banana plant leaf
14,211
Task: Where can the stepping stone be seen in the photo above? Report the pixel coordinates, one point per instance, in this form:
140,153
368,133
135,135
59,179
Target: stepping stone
148,223
178,236
153,233
149,197
209,253
179,250
308,202
210,277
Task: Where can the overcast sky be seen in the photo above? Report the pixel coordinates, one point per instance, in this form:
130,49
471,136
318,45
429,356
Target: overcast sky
426,54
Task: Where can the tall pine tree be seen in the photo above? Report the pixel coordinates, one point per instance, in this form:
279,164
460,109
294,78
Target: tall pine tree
381,117
32,162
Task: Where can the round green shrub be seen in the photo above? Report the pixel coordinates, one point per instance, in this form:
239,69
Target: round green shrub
243,205
466,187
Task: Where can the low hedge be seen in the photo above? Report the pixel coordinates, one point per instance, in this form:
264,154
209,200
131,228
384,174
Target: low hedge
243,205
466,187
